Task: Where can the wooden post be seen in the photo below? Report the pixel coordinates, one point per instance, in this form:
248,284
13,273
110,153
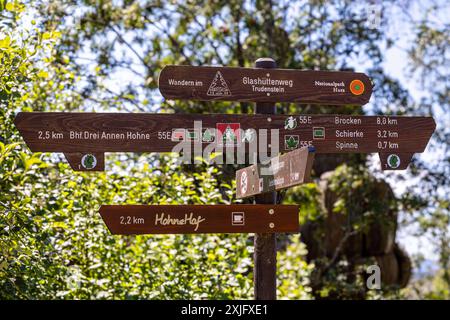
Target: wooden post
265,255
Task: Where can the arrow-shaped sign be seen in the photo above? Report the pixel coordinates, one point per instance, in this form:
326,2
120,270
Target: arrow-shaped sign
288,170
263,85
85,137
173,219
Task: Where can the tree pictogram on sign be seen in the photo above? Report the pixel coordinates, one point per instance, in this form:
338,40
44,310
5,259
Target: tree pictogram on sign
228,134
208,135
229,137
88,161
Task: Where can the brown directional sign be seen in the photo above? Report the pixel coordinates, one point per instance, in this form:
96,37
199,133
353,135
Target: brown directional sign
172,219
85,137
263,85
281,172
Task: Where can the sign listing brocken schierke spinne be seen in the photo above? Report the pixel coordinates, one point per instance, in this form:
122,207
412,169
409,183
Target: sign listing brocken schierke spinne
396,139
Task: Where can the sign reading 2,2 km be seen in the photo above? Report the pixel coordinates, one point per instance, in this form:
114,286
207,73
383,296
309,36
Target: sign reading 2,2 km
194,219
262,85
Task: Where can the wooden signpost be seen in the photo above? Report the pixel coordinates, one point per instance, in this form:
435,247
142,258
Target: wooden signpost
85,137
262,85
195,219
285,171
265,244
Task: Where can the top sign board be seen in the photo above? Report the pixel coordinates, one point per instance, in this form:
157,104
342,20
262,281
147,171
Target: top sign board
265,85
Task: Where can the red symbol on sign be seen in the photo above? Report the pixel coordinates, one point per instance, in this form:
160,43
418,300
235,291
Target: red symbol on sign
228,134
357,87
178,134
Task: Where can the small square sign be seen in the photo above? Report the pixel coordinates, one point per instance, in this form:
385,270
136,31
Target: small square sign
291,142
228,134
237,218
192,135
318,133
178,134
208,135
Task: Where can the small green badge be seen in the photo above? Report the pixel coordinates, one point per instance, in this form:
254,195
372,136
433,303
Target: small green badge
192,135
89,161
393,161
208,135
291,142
318,133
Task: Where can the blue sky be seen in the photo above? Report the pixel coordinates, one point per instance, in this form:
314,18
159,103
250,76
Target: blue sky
396,65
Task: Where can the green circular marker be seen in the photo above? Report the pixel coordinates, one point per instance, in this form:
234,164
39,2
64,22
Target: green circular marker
393,161
88,161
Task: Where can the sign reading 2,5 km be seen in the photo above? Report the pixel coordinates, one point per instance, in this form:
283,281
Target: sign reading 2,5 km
85,137
263,85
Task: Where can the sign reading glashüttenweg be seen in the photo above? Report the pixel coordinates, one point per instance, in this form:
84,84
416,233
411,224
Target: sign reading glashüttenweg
265,85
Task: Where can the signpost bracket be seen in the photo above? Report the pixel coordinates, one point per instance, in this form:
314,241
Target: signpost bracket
395,160
86,161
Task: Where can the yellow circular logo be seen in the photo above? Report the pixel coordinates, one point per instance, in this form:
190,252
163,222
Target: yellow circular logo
357,87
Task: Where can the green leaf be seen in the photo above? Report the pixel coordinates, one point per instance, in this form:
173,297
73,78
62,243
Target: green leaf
9,6
43,74
5,42
46,35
